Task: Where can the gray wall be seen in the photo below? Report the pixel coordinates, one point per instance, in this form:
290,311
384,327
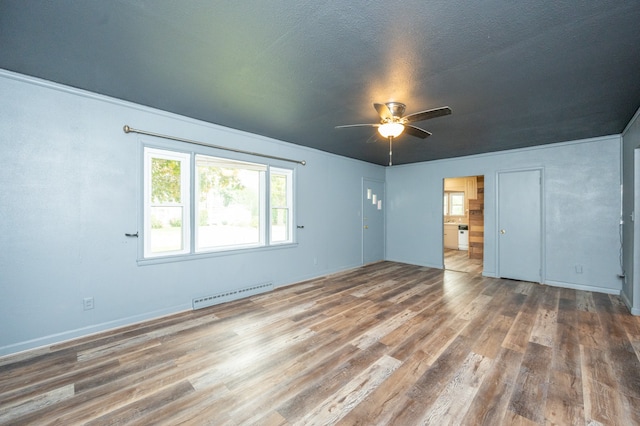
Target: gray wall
70,190
631,287
581,213
71,184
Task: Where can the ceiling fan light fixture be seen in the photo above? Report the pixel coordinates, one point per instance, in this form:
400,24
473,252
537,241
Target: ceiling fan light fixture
391,129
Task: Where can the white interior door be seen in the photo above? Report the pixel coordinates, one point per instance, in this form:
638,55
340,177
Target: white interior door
520,225
373,205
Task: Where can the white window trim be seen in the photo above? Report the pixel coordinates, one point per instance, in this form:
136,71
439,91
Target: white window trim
204,159
448,204
289,175
189,252
185,177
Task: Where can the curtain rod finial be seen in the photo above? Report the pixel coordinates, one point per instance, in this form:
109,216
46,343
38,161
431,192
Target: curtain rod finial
126,128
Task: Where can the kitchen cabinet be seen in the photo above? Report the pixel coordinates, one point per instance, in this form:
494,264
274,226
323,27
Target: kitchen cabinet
451,236
472,188
455,184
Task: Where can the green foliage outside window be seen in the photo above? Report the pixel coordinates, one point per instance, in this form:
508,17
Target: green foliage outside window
278,190
223,181
165,181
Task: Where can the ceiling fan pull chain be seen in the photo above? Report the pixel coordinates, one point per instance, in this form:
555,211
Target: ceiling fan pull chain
390,149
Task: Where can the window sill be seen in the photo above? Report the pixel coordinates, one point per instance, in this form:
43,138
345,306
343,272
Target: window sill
212,254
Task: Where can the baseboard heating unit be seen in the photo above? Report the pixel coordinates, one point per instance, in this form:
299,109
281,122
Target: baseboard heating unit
227,296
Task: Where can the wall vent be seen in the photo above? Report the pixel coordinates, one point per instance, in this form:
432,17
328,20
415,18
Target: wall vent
227,296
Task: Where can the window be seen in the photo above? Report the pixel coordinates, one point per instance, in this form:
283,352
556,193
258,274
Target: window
228,209
230,203
166,202
454,203
281,206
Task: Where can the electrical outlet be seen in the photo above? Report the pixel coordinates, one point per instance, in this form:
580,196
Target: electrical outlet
578,269
87,303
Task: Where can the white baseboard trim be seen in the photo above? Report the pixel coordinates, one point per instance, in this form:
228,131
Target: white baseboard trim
625,299
583,287
57,338
417,263
65,336
318,274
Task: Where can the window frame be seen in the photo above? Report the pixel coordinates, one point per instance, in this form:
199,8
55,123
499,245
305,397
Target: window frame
185,173
190,248
447,203
288,174
263,171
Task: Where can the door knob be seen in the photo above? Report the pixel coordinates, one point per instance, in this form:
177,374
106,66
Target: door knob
366,227
502,231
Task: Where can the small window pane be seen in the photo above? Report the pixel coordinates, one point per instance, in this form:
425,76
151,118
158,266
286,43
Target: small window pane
278,190
281,201
457,204
166,229
165,181
279,225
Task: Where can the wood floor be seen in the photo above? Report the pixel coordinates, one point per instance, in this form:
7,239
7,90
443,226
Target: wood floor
386,344
458,260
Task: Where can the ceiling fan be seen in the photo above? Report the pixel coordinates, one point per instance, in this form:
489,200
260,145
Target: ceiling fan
393,123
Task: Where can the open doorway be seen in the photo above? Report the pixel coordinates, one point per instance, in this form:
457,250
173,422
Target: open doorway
463,223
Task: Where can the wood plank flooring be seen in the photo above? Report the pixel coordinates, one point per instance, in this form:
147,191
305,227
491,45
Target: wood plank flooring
458,260
385,344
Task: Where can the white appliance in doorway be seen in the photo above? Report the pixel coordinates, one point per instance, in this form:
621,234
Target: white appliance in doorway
463,237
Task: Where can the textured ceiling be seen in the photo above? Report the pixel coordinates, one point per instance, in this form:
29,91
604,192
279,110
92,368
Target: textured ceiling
515,74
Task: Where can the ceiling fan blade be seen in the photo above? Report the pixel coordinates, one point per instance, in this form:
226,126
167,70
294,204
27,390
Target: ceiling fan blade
357,125
374,138
426,115
383,111
416,131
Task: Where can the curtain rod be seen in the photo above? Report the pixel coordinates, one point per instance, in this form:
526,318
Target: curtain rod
128,129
